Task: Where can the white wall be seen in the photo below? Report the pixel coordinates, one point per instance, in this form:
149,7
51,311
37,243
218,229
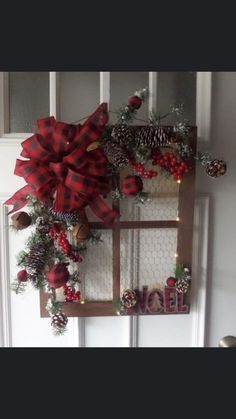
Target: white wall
221,294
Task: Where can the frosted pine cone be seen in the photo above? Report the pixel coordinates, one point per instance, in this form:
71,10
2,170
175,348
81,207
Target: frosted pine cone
216,168
36,261
153,137
59,322
182,285
116,155
122,135
70,217
128,298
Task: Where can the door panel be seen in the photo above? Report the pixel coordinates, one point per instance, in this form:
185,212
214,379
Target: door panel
79,96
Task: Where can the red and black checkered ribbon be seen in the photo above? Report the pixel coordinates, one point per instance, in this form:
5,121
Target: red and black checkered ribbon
61,168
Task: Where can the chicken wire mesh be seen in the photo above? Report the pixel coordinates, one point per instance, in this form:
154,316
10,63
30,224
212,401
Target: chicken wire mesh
148,257
163,203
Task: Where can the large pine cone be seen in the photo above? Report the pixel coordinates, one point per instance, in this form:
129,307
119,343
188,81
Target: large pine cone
153,137
216,168
36,261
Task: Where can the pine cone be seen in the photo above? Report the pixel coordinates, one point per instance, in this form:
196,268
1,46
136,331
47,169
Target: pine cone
36,261
216,168
129,298
122,135
116,155
69,217
59,322
182,285
153,137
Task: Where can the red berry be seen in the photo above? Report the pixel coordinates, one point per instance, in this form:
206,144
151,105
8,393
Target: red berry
171,281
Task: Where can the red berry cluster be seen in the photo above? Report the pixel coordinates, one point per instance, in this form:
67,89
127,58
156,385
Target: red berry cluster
140,170
169,162
58,234
71,294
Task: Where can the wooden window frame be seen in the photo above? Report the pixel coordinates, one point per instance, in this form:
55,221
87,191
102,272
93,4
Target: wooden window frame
184,245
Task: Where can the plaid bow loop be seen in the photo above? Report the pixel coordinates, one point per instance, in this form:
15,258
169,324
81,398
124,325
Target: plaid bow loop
61,168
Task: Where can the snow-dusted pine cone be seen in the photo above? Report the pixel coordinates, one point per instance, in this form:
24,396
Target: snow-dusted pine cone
116,155
128,298
153,137
59,322
122,135
36,261
182,285
216,168
70,217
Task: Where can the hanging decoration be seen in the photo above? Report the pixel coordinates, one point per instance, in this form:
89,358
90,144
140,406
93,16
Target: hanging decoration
70,168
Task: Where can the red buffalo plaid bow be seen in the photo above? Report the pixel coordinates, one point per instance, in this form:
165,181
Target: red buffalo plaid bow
60,166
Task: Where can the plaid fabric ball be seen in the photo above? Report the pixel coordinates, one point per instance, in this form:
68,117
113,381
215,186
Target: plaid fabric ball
131,185
58,275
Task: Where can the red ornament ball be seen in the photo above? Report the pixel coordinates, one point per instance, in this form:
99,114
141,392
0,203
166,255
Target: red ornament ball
58,275
131,185
171,281
22,275
135,102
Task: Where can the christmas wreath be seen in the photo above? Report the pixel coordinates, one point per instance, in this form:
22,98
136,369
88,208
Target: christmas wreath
71,167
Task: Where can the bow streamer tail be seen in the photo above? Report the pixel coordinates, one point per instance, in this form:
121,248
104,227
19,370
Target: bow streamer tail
19,199
103,211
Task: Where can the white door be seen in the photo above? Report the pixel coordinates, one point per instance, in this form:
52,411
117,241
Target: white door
73,95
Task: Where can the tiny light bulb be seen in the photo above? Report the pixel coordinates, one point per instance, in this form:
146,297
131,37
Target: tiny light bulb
118,313
176,255
178,181
177,218
82,301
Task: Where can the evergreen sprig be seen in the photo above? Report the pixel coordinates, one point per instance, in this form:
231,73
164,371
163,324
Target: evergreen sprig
18,287
179,271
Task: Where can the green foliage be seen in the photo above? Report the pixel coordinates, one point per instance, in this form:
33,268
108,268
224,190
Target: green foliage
53,306
125,114
22,258
37,209
117,304
18,287
142,198
40,282
116,195
59,331
179,271
95,237
142,155
38,238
